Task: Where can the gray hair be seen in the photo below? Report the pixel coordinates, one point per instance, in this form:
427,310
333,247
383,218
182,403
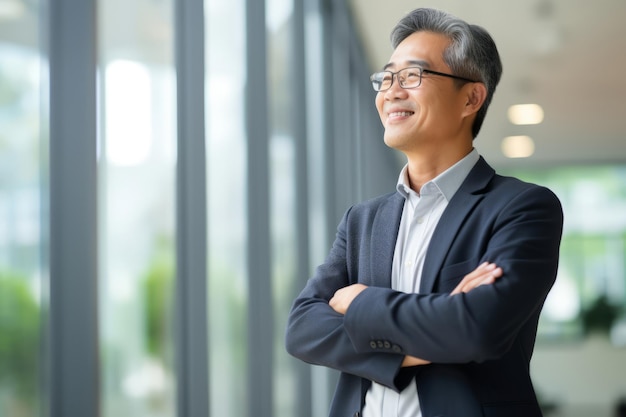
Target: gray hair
472,52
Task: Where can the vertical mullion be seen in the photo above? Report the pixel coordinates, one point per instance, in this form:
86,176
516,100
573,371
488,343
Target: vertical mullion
74,360
342,145
260,312
299,128
191,214
329,116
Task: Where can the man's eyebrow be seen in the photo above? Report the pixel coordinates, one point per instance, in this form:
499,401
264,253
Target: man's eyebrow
410,63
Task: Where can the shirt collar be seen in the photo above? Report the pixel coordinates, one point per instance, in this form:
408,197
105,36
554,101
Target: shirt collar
448,182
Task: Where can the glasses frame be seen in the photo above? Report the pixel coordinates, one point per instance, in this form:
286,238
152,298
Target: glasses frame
422,71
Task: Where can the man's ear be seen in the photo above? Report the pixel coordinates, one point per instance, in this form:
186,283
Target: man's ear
476,96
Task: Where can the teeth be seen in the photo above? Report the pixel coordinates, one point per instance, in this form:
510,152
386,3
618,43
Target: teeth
401,114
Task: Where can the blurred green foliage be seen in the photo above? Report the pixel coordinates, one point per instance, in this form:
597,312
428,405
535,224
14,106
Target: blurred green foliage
19,337
158,290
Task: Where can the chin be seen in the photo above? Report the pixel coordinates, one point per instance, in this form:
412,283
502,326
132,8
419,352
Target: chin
395,141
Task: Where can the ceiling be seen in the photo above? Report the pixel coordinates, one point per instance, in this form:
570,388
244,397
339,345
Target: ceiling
569,56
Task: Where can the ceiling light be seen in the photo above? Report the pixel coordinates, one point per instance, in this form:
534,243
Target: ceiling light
525,114
518,146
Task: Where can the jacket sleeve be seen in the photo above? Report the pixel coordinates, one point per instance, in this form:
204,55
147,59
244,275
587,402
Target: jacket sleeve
523,238
316,333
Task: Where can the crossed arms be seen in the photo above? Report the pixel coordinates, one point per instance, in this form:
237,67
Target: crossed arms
472,318
485,273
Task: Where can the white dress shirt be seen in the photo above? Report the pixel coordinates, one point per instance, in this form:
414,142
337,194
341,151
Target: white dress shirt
420,216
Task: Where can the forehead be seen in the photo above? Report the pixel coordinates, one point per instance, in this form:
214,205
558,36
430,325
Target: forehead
420,48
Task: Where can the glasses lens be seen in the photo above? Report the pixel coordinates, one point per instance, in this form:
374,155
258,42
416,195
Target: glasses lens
407,78
382,80
410,77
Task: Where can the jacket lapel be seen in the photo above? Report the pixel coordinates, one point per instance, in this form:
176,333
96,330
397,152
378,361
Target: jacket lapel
468,195
384,235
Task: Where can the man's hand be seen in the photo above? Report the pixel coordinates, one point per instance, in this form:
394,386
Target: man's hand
343,297
485,273
413,361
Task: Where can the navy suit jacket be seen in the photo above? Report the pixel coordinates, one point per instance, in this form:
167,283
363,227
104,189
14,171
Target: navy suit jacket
480,343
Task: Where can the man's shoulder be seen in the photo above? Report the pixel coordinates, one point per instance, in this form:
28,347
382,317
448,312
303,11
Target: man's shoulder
514,185
377,202
511,188
388,205
510,183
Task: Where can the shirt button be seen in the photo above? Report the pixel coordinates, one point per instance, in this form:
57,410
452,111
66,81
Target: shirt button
420,220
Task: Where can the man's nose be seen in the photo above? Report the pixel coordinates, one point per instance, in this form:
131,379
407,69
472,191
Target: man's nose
396,89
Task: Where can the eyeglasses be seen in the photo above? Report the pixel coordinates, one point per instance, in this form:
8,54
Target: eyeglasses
410,77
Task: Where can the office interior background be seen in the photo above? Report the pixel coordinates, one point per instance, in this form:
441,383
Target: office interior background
172,171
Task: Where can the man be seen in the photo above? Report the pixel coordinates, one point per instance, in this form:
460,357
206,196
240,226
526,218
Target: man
429,299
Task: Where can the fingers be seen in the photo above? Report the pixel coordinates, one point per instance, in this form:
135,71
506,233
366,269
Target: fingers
343,297
413,361
486,273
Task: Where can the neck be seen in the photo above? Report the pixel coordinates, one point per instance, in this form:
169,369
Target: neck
425,167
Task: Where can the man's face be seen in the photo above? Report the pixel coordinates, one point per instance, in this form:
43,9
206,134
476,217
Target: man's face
427,115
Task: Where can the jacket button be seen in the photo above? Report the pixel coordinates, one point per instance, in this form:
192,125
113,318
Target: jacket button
373,344
357,414
396,349
387,345
380,344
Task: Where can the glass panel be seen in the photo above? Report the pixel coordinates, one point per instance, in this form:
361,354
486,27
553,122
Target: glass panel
584,317
283,201
137,207
22,185
590,291
226,193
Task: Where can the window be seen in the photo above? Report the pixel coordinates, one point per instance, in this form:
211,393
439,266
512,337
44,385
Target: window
284,159
137,166
22,210
227,217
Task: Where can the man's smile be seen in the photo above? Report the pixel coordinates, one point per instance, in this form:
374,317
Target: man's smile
401,114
